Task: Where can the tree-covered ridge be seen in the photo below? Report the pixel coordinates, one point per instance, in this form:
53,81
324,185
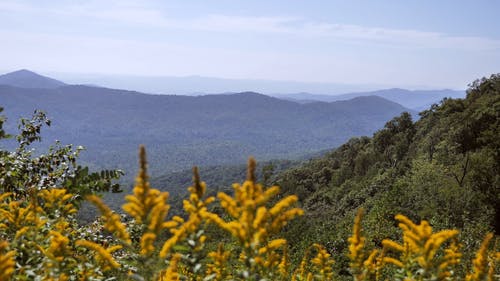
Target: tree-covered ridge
443,168
181,131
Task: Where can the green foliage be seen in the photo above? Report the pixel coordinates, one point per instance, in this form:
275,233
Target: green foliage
24,169
2,120
443,168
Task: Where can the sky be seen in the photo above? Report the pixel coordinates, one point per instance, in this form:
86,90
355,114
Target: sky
413,43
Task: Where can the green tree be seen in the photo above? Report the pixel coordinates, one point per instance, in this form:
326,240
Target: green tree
22,169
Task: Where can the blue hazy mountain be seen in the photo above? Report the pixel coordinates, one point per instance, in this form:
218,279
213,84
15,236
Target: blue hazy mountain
416,100
200,85
302,92
181,131
28,79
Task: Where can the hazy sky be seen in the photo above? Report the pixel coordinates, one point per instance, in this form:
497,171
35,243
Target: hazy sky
427,43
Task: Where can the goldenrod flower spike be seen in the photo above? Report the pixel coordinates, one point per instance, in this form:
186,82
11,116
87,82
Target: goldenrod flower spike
421,250
58,246
374,263
141,202
197,210
57,199
318,267
251,169
356,247
218,266
149,207
103,256
480,262
172,272
452,257
7,262
112,221
253,223
284,265
300,273
391,245
147,241
4,196
323,263
143,178
199,187
435,241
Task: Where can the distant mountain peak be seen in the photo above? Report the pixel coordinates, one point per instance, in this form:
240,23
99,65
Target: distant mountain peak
394,90
25,78
24,71
250,93
369,98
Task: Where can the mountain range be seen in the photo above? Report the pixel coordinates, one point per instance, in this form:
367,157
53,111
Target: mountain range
417,99
202,85
180,131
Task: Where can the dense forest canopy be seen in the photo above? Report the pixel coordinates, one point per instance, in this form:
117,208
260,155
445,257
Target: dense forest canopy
444,168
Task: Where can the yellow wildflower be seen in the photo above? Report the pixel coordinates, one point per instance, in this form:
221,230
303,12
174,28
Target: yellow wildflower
322,263
172,272
112,221
196,207
272,245
102,255
57,199
147,205
253,223
22,231
393,261
218,265
480,262
420,248
284,265
58,246
356,247
7,262
147,241
389,244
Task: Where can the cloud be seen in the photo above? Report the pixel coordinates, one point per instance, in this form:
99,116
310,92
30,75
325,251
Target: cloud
402,37
101,36
79,53
145,13
306,28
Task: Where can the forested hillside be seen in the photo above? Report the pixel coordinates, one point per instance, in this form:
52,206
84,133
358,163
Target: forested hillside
444,168
181,131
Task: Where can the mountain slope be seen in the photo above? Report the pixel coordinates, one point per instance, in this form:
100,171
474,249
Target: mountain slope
444,168
28,79
181,131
